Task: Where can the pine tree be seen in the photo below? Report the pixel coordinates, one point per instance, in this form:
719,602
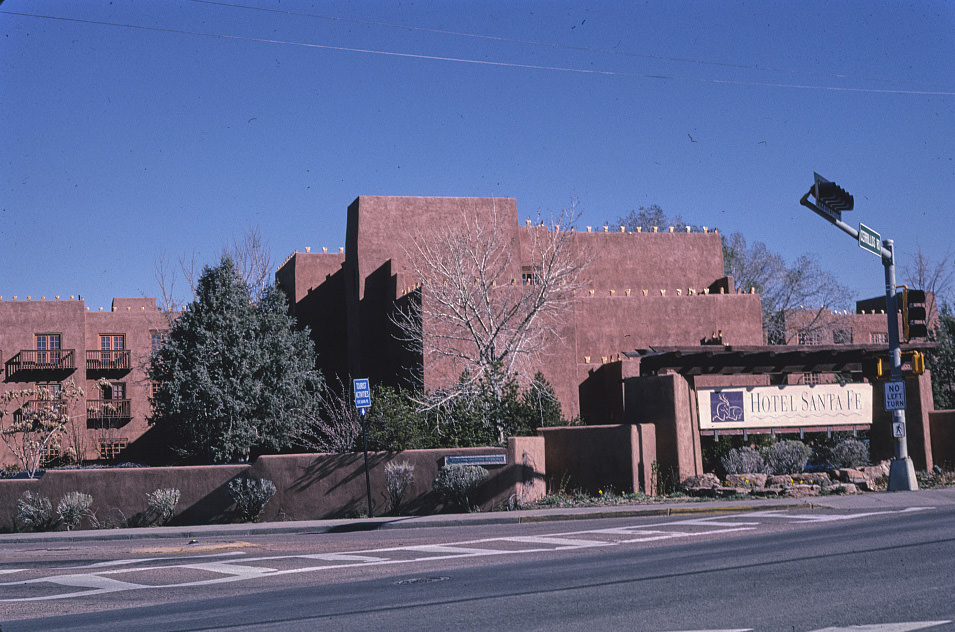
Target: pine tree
235,376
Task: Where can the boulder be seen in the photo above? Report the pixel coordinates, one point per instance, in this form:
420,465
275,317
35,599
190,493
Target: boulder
705,481
746,480
801,491
849,475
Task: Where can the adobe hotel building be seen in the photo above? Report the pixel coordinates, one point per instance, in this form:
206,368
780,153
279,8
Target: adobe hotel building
663,292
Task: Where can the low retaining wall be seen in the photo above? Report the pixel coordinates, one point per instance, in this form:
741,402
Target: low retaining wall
942,424
308,486
593,458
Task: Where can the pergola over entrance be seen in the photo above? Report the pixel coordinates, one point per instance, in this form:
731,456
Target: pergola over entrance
762,359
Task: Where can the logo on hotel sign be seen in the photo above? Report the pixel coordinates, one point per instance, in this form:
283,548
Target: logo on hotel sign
726,406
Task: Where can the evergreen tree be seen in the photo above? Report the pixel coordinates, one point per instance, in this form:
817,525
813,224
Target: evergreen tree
941,361
235,375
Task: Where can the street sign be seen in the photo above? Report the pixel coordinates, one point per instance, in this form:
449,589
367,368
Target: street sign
870,240
894,396
362,393
898,429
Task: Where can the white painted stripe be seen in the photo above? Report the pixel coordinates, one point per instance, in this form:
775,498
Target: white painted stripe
887,627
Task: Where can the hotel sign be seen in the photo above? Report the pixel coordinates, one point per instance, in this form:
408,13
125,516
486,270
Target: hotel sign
791,406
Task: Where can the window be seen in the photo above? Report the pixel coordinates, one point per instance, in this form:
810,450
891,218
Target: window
109,449
809,338
842,336
110,348
49,454
879,338
810,379
114,390
48,349
530,276
159,338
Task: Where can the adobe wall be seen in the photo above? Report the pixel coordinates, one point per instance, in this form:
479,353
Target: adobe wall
665,401
651,260
309,486
919,405
382,228
595,458
942,424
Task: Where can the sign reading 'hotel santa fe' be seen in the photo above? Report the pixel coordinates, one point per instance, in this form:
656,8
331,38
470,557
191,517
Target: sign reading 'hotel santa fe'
791,406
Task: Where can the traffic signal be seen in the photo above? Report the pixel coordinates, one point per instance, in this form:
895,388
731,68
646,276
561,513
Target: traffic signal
876,368
831,195
914,314
918,362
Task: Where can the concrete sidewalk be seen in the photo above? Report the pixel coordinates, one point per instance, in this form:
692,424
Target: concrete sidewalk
864,501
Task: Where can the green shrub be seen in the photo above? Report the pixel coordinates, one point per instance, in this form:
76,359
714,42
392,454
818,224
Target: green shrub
787,457
161,504
459,483
849,453
250,496
72,507
35,512
744,460
398,478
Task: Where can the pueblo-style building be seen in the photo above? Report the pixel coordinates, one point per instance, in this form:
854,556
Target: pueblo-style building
654,333
52,341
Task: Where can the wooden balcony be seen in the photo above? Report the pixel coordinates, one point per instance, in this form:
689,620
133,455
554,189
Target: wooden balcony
31,361
108,409
107,361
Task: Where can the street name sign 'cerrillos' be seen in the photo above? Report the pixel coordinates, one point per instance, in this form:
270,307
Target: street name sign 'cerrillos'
870,240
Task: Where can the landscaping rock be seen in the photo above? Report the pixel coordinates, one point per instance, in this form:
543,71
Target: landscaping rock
812,478
801,491
873,472
780,480
706,481
848,475
726,492
843,488
766,491
746,480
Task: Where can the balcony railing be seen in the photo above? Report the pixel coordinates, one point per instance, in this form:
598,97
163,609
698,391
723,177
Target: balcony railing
33,406
107,360
107,409
34,360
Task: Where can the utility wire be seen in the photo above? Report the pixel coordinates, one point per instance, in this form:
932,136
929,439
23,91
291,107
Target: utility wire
482,62
496,38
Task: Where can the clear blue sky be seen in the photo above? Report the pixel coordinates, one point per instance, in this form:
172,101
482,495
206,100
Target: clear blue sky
131,130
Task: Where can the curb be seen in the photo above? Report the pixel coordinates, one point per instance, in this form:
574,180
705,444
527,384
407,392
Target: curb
317,527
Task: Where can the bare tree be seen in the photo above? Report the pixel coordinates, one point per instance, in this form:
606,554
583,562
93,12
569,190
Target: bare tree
253,260
32,421
936,277
250,253
784,289
490,298
334,425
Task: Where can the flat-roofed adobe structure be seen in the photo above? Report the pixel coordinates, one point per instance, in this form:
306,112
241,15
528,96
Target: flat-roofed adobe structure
639,288
48,342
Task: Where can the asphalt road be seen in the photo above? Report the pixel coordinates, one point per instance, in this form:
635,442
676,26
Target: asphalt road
790,569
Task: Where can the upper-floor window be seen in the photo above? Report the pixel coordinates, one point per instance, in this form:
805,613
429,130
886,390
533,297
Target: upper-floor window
809,338
47,348
879,338
842,336
810,379
112,342
158,339
529,276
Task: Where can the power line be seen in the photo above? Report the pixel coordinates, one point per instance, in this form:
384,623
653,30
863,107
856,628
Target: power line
483,62
497,38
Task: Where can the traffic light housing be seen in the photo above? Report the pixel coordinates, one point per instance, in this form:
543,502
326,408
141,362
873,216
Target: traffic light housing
831,195
914,314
